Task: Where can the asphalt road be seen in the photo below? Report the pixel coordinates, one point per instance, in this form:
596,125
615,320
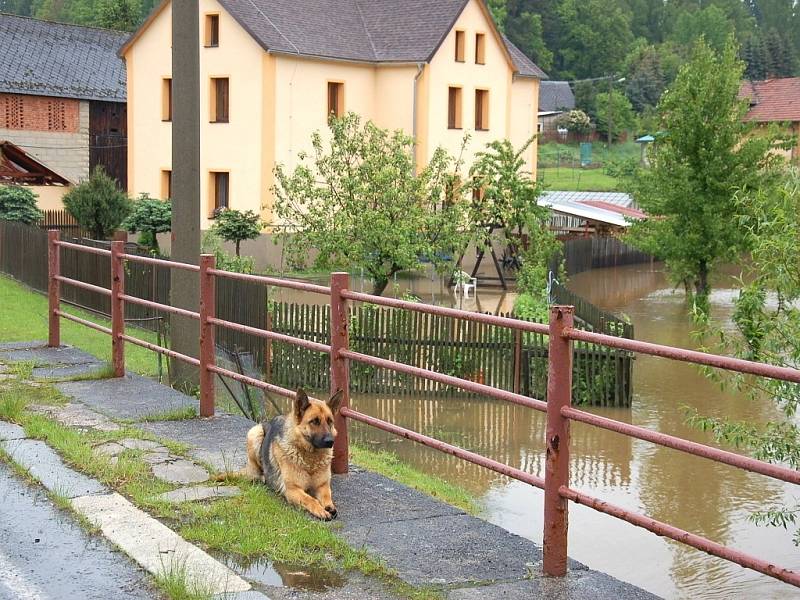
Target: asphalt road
45,555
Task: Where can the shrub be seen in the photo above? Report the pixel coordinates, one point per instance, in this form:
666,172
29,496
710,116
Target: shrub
212,244
575,120
621,167
149,216
98,205
18,204
237,226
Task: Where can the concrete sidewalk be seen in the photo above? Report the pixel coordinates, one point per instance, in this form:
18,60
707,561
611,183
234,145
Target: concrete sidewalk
427,542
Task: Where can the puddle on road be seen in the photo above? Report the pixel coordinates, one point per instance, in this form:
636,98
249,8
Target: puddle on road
265,572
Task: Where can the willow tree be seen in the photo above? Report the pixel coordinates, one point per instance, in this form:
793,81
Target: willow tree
356,202
706,155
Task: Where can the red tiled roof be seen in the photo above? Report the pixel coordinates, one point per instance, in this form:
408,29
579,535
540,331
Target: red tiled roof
633,213
773,99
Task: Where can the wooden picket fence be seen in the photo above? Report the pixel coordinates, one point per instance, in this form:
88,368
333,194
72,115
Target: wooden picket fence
479,352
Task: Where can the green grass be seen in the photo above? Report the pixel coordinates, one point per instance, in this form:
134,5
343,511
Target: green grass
578,180
387,463
174,582
552,153
23,317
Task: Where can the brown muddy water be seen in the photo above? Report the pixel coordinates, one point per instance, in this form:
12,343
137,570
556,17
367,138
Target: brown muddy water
692,493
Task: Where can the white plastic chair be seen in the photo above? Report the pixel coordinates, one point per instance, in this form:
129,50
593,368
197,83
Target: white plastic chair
464,283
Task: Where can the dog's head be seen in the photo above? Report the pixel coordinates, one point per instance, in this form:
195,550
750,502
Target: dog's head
315,418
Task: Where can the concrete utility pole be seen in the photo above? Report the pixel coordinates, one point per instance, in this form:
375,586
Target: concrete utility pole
185,290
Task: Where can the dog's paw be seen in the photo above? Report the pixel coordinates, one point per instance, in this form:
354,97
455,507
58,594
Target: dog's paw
321,513
332,511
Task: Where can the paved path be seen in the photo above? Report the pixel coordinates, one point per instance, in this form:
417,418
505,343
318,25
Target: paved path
44,555
425,541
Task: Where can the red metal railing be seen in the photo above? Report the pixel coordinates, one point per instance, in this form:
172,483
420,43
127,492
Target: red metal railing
557,408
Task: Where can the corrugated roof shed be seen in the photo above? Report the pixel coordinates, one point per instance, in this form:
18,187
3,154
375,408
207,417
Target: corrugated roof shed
584,211
772,100
617,198
42,58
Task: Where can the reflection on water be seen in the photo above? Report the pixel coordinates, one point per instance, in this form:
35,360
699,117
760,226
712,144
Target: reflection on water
691,493
264,572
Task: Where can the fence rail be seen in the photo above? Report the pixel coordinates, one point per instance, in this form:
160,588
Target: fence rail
561,336
485,352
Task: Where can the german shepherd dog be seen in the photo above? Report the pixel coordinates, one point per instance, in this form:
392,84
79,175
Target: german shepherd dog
292,454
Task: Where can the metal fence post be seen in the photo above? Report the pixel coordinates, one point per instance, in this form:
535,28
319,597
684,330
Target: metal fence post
340,367
53,288
517,361
559,393
117,308
208,309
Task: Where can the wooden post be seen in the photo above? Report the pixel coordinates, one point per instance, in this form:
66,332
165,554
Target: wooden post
117,308
340,367
556,474
207,345
53,288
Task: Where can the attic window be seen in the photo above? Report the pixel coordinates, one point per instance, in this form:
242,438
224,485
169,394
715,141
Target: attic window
480,49
460,46
212,31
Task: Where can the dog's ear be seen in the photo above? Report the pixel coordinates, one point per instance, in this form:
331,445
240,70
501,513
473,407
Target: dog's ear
301,403
335,401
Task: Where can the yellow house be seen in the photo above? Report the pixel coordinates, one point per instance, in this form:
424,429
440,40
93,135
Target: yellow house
272,71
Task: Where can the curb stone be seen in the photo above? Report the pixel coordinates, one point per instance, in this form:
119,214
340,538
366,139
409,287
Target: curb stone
154,545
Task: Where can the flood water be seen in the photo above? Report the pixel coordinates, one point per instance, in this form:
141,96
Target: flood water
692,493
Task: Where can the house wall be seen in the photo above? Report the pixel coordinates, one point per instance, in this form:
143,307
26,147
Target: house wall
278,101
148,62
301,100
54,130
50,197
234,147
511,107
524,117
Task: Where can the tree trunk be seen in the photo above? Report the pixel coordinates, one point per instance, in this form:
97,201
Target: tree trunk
237,247
379,284
701,282
155,248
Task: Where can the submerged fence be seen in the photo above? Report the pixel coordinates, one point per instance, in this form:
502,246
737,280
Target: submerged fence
597,252
561,336
476,351
479,352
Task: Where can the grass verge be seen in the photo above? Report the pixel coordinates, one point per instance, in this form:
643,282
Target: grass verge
174,582
18,325
387,463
